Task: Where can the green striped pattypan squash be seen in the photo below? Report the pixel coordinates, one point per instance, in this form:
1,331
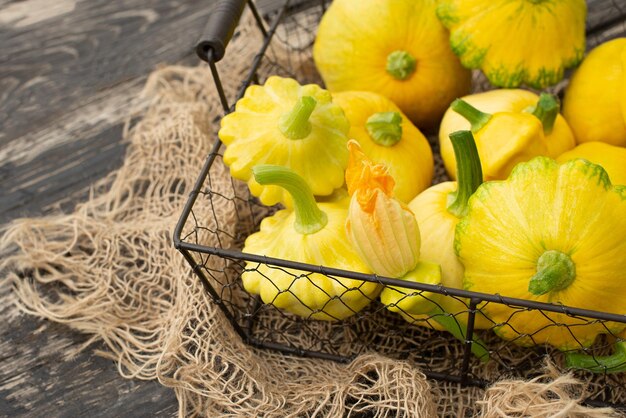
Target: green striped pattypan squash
310,233
549,233
284,123
517,42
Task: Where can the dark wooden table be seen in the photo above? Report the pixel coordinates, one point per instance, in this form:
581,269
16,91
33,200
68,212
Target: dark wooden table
69,70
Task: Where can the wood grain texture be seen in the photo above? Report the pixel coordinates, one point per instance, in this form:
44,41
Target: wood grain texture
70,71
38,379
72,76
69,76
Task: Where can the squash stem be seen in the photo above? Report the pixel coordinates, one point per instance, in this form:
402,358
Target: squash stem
555,271
614,363
385,128
295,124
309,217
469,171
475,117
401,65
546,110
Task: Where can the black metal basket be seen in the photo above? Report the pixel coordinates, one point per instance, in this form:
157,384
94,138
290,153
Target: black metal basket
440,356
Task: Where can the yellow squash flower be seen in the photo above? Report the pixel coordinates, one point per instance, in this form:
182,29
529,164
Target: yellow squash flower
385,234
383,230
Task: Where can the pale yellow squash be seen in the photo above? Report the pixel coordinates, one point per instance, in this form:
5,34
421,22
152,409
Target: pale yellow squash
610,157
385,233
387,137
396,48
557,141
595,100
438,210
437,245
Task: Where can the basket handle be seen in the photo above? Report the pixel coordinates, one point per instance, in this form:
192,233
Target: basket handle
219,29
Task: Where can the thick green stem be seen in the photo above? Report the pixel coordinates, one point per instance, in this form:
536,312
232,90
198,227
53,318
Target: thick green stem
468,170
546,110
385,128
295,124
555,271
599,364
309,217
457,329
401,64
475,117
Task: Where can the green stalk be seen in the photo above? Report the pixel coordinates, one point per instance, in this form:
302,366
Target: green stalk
599,364
401,64
427,303
546,110
385,128
309,217
295,124
457,329
475,117
468,169
555,271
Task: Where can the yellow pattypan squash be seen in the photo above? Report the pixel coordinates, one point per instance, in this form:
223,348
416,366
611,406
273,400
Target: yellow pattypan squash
549,233
507,138
395,48
517,42
386,136
610,157
595,99
310,233
386,235
557,140
437,210
284,123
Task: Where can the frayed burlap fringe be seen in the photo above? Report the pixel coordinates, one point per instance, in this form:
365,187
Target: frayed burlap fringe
109,270
551,395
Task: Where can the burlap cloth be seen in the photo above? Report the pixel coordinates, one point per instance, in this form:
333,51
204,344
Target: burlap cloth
109,270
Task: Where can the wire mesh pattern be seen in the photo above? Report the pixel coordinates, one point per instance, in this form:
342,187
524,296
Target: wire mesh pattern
389,330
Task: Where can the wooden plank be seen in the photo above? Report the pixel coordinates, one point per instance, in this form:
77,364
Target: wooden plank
67,83
64,91
46,165
68,78
268,6
604,14
46,69
38,380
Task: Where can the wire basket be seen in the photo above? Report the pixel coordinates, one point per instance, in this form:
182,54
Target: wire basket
285,49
